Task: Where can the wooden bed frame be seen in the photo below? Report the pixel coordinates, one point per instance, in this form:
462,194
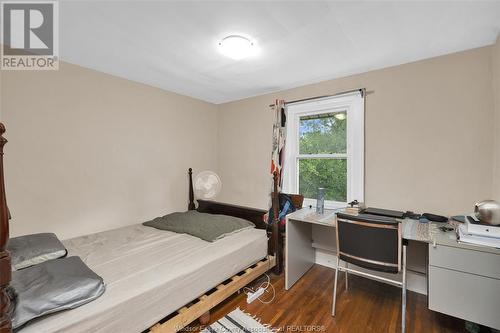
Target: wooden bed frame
199,307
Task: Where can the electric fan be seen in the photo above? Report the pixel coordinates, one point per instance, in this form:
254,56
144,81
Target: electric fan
207,185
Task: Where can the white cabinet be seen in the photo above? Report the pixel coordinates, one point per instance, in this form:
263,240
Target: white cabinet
465,283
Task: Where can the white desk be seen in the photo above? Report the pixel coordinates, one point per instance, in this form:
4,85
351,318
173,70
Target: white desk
456,271
299,252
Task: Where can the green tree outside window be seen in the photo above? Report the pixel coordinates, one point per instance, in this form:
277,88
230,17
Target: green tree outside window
326,135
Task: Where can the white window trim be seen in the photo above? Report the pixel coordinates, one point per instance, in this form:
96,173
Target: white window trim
354,105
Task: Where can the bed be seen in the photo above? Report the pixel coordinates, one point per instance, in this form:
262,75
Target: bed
152,270
155,280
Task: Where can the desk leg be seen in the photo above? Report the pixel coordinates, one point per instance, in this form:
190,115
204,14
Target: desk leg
403,291
298,251
334,302
346,276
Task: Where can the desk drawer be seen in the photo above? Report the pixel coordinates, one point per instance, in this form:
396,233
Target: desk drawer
463,295
465,260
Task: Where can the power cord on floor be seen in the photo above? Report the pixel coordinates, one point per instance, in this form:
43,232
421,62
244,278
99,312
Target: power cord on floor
264,285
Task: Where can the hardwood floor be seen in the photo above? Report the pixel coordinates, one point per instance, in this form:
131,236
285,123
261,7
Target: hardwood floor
368,306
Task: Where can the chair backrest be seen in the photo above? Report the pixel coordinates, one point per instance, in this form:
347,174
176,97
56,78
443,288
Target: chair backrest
297,199
369,241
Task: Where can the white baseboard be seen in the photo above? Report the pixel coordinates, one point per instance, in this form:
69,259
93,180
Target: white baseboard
415,281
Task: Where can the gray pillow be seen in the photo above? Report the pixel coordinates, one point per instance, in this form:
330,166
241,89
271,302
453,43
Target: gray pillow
209,227
53,286
34,249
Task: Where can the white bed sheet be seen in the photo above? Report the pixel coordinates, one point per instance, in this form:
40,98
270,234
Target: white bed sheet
149,274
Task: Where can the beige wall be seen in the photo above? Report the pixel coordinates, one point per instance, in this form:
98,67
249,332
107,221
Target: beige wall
88,151
496,93
429,135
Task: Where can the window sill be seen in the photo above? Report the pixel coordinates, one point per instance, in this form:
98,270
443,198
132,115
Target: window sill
328,204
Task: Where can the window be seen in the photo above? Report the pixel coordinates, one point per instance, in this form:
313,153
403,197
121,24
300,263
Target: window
325,148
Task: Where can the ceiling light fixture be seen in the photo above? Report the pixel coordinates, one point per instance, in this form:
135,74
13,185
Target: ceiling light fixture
237,47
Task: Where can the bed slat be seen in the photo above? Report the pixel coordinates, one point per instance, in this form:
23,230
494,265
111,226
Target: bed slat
189,313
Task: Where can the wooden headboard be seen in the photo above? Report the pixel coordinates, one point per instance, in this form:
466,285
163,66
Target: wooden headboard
254,215
5,266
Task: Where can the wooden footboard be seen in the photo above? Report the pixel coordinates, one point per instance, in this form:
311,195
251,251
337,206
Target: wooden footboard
5,266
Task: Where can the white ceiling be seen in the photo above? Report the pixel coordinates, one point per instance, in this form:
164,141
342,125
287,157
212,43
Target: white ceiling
173,45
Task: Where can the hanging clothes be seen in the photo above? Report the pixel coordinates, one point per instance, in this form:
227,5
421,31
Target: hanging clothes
279,138
278,148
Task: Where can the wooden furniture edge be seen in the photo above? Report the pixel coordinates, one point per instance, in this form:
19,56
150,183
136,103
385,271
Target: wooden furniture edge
205,302
191,205
5,264
254,215
277,237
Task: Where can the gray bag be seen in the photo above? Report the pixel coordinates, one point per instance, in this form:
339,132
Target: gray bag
30,250
53,286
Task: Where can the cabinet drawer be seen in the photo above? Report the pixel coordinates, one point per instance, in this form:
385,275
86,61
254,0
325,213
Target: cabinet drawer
465,260
463,295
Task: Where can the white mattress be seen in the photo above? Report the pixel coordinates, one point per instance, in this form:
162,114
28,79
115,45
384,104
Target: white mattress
149,274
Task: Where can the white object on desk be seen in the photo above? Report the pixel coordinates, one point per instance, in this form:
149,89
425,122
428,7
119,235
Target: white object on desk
477,240
485,230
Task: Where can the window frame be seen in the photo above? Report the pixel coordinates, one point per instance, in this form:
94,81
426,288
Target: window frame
353,105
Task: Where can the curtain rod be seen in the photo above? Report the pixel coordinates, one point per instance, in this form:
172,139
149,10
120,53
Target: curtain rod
361,90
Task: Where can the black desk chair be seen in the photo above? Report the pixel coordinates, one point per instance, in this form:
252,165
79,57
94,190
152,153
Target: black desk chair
371,242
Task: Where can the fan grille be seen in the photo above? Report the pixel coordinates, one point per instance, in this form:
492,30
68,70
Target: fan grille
207,185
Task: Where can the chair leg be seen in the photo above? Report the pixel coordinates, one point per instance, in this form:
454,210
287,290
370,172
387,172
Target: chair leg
403,298
346,277
335,288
